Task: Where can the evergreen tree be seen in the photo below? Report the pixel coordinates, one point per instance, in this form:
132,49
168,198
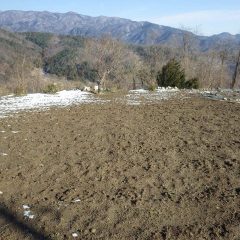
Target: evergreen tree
172,75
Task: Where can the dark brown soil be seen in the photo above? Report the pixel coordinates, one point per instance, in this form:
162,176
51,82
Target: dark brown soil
163,171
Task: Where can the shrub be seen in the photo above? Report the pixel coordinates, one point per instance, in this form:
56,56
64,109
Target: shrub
192,83
172,75
50,89
19,91
151,87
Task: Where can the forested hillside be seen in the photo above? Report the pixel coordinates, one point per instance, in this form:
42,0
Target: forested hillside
28,59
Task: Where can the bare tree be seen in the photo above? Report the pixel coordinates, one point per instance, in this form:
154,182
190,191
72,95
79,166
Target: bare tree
22,77
17,75
132,65
206,68
107,57
236,70
223,54
143,75
187,45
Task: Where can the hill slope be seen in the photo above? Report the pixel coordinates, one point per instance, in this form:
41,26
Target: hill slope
13,46
123,29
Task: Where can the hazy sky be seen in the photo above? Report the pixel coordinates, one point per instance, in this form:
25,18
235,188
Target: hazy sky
207,16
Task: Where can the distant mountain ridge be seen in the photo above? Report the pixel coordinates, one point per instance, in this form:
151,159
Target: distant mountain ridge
131,32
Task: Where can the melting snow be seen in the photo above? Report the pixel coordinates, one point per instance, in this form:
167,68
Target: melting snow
135,97
138,91
167,89
26,207
3,154
75,235
221,94
27,212
10,104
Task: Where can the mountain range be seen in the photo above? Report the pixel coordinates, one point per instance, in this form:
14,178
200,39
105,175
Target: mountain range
131,32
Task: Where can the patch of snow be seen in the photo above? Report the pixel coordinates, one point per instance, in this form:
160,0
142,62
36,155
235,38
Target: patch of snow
76,201
11,104
138,91
75,235
220,94
1,193
2,131
167,89
26,207
27,212
87,89
137,97
95,88
3,154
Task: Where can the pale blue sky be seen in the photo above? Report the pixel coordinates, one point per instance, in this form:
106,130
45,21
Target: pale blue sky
207,16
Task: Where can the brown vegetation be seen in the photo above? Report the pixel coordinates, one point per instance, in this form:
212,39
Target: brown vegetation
107,62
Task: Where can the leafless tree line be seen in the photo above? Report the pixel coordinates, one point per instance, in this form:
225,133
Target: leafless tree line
121,66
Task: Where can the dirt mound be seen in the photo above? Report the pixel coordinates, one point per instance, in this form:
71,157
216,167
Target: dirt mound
160,171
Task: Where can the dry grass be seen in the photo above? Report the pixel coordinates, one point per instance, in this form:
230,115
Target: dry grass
37,81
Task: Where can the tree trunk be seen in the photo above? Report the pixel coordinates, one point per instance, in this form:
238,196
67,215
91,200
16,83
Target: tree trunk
235,72
103,79
134,83
99,86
